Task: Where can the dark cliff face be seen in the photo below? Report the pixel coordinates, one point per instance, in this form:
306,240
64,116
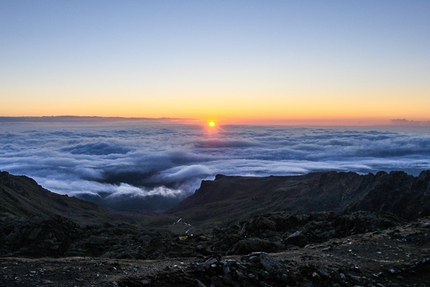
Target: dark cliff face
228,199
398,193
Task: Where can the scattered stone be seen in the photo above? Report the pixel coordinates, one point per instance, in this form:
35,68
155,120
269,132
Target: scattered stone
269,263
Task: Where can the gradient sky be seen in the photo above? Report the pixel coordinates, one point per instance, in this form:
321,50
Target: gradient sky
232,61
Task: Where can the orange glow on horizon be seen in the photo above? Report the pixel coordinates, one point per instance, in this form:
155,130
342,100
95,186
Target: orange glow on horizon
318,109
308,122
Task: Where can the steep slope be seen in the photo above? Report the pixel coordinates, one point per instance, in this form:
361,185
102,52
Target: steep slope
398,193
229,199
23,197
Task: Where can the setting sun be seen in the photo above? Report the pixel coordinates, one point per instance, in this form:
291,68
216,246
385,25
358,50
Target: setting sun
211,124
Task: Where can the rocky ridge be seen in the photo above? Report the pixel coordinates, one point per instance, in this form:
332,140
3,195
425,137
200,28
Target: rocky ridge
229,199
321,229
22,197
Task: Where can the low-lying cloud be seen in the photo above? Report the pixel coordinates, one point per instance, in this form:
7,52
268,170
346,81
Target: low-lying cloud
147,166
97,148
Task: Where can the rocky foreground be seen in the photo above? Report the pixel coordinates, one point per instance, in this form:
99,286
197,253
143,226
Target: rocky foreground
384,243
394,256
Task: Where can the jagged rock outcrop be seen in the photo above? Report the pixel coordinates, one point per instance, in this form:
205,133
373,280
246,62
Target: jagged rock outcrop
229,199
398,193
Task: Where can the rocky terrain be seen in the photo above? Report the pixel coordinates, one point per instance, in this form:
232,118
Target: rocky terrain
228,199
22,197
321,229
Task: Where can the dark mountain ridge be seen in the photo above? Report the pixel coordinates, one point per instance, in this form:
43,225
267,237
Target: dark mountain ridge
229,199
321,229
22,197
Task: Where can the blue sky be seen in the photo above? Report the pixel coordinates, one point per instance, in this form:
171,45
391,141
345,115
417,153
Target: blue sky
226,60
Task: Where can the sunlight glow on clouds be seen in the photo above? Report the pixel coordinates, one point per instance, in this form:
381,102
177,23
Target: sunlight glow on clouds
145,165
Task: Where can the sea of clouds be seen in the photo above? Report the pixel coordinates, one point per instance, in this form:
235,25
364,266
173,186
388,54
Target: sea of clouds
150,165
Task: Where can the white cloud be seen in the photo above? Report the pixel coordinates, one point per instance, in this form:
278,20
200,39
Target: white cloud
171,160
180,173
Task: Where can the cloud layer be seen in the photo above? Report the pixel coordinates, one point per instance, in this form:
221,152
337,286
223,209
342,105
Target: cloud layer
146,166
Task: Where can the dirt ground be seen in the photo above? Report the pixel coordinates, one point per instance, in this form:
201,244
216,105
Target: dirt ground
398,256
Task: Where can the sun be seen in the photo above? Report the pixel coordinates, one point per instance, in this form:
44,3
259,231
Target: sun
211,124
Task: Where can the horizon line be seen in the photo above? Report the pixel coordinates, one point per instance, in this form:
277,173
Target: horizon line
249,122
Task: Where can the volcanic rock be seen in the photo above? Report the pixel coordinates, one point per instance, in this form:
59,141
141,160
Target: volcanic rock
230,199
321,229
